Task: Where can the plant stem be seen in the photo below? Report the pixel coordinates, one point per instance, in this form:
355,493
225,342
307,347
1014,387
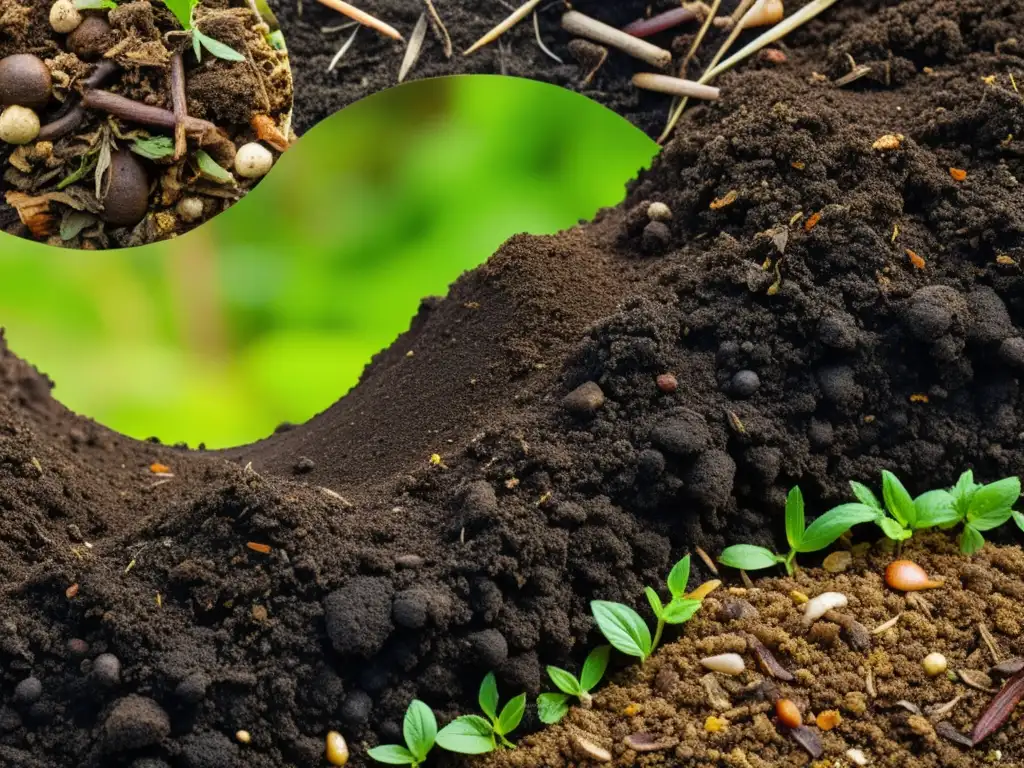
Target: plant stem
657,635
788,562
179,103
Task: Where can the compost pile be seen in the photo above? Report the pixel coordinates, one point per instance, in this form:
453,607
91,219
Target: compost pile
97,151
831,299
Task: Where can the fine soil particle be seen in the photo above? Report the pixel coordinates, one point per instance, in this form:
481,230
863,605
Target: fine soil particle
91,185
453,516
889,708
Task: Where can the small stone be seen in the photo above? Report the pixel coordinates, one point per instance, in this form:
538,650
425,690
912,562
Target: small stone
837,562
304,465
857,757
591,751
921,726
133,723
659,212
193,688
584,400
253,160
28,690
356,708
656,237
1011,352
667,383
191,209
489,647
64,17
106,670
409,562
744,384
77,648
410,608
90,39
888,142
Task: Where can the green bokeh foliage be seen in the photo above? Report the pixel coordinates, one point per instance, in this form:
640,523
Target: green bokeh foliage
269,312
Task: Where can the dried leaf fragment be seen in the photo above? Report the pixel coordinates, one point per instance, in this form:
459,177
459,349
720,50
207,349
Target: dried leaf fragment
767,660
808,739
71,591
888,142
958,174
812,221
946,730
255,546
267,131
915,260
999,709
727,199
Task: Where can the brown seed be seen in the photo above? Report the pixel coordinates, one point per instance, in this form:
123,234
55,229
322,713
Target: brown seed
788,713
585,399
337,749
668,383
908,576
127,197
91,38
25,81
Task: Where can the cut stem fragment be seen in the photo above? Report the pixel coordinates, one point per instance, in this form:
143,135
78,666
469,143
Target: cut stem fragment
440,28
675,86
343,50
576,23
179,104
517,15
363,18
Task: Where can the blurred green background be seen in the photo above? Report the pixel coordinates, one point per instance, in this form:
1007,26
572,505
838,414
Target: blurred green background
270,312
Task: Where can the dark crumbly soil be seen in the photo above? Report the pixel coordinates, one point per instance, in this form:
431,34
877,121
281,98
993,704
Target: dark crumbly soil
391,575
143,38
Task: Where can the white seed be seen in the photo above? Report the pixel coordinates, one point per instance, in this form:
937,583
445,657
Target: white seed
18,125
253,160
659,212
935,664
64,17
588,750
726,663
857,757
190,208
818,606
243,736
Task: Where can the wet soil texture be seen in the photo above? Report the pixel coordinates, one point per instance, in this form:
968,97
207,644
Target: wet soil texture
838,290
106,165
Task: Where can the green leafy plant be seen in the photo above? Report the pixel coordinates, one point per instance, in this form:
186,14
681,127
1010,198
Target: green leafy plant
472,734
819,534
184,12
419,730
628,632
984,507
551,707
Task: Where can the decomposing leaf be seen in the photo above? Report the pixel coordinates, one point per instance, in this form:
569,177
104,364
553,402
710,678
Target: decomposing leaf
74,223
767,660
946,730
209,168
808,739
999,709
153,147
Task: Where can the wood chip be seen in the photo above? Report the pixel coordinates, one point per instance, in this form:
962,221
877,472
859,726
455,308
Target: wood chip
975,679
999,709
808,739
707,560
717,697
856,634
946,730
910,706
255,546
591,751
728,198
767,661
1008,667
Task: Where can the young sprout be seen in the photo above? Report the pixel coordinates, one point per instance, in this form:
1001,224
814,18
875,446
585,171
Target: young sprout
184,11
552,707
984,507
419,730
626,630
821,533
472,734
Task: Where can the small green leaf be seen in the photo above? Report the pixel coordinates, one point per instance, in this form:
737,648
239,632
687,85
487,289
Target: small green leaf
552,707
73,224
992,519
971,540
681,610
565,681
594,667
892,529
209,168
623,627
488,696
153,148
197,48
87,164
830,526
467,735
935,508
182,10
963,492
865,495
994,498
678,577
748,557
216,47
511,715
1019,519
419,729
656,605
795,517
392,754
95,5
897,500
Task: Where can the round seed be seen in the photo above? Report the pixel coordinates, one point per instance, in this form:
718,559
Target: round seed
25,80
64,17
18,125
253,160
935,664
788,713
337,749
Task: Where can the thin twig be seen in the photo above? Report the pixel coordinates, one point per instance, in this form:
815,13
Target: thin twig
415,46
700,37
675,86
518,15
63,125
180,105
440,28
343,50
540,42
663,21
338,28
363,18
576,23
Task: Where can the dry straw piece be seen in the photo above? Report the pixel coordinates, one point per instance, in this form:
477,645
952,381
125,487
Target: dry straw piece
675,86
517,15
576,23
363,18
412,50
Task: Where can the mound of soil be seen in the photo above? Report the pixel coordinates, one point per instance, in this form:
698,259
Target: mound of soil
108,167
891,711
831,299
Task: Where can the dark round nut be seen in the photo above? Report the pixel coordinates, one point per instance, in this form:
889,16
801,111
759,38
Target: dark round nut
91,38
106,670
127,197
25,81
28,690
744,383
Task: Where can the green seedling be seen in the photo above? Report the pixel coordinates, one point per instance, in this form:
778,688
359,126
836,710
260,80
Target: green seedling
184,12
473,735
819,534
984,507
628,632
420,731
552,707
